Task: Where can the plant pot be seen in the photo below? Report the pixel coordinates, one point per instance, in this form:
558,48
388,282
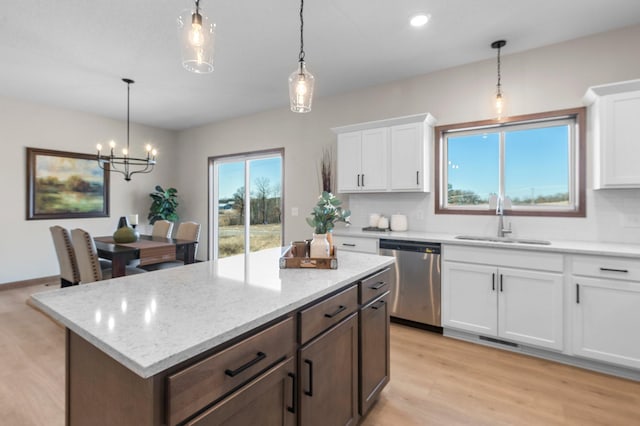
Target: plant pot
319,246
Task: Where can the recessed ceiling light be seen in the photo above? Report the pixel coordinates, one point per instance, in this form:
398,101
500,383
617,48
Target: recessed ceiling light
419,19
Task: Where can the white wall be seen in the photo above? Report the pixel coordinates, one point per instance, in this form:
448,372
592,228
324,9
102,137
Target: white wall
545,79
26,249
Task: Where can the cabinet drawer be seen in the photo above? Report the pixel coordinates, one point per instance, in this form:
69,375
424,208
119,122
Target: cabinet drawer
606,267
374,286
199,385
360,244
319,317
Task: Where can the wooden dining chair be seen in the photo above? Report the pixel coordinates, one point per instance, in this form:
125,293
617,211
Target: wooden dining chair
69,273
88,261
186,231
162,228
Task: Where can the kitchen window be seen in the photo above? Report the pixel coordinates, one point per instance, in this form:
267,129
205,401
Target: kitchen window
536,161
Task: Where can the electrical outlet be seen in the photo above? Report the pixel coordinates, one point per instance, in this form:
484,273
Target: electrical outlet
294,211
631,220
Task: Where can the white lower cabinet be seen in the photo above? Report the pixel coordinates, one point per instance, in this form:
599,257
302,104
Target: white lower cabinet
606,310
515,304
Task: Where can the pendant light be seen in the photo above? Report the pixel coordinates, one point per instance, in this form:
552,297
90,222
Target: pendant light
301,81
197,40
126,164
499,100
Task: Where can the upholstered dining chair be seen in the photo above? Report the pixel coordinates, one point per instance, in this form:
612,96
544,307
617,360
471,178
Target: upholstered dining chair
162,228
69,273
88,261
186,231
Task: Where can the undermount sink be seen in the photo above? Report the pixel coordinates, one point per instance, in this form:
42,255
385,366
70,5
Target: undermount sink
502,239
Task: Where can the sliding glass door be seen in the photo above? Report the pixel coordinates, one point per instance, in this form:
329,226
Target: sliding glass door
246,203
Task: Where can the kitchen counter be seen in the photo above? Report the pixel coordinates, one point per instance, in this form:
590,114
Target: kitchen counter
575,247
151,322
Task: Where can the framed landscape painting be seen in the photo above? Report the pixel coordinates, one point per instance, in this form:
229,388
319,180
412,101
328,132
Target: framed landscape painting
64,185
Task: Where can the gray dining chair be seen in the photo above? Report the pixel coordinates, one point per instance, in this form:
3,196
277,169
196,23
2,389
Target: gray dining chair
88,261
186,231
69,273
162,228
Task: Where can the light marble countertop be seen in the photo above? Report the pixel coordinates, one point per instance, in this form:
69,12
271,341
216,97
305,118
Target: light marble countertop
150,322
574,247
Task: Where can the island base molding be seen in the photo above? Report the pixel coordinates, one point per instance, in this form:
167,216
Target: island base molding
574,361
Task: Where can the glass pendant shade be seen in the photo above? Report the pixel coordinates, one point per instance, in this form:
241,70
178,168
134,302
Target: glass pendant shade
301,83
499,105
197,40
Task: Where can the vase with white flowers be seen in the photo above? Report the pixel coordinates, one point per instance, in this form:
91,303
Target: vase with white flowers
324,216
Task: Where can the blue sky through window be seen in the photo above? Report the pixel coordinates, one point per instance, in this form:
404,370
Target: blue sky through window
536,162
231,175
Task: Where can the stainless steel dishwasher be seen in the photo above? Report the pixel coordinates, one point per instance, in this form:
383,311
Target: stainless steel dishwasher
415,283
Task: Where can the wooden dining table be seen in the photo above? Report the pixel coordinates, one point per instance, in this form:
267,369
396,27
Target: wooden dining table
148,249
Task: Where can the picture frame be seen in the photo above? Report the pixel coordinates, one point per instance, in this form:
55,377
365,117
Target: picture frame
65,185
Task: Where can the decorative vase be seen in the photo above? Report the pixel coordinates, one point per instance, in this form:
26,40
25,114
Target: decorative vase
125,234
330,240
319,246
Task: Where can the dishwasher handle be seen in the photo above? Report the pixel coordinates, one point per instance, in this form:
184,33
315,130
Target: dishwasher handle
415,246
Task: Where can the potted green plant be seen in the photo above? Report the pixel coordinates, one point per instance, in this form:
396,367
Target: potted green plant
164,205
324,216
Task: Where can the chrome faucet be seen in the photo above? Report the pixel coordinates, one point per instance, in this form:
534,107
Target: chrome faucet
500,212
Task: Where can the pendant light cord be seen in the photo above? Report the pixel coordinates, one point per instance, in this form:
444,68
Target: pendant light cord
128,108
301,55
499,75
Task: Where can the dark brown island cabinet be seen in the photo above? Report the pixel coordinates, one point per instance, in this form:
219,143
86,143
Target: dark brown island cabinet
323,364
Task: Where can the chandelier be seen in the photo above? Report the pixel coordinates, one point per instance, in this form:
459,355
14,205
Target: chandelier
499,97
126,164
197,39
301,81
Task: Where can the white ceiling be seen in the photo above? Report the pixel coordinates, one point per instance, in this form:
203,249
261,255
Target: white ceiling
73,53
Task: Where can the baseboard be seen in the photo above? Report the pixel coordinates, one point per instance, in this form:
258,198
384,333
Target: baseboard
600,367
54,279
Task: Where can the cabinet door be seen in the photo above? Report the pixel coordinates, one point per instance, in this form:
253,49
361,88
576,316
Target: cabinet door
408,158
349,161
530,307
469,297
328,368
374,159
374,351
606,316
619,149
268,400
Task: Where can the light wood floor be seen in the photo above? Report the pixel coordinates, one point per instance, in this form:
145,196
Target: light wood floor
434,380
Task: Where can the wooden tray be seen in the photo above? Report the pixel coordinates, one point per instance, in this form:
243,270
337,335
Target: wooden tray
288,261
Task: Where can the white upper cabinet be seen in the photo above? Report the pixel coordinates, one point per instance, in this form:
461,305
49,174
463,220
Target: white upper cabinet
615,131
362,160
388,155
409,167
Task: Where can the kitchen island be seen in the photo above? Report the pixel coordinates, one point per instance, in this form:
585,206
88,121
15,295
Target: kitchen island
177,346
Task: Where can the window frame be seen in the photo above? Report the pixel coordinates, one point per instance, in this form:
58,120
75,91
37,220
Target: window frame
577,179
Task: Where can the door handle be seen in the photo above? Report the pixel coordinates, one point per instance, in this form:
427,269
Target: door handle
348,244
358,180
363,180
380,304
378,285
259,357
340,309
500,282
310,391
493,282
294,392
614,270
577,293
418,177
